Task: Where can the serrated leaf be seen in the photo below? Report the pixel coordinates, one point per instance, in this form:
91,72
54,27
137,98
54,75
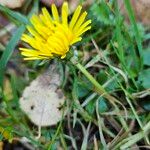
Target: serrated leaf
102,13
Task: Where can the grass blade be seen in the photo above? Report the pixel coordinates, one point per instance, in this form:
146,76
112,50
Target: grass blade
9,50
135,28
15,15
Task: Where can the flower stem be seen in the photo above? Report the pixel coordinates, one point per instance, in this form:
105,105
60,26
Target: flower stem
100,90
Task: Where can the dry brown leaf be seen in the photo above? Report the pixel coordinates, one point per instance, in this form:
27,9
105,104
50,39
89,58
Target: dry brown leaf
1,145
41,101
12,3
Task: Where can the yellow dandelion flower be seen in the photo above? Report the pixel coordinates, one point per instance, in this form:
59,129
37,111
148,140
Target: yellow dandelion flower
52,36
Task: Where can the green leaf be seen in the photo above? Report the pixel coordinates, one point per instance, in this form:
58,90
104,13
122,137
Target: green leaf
15,15
102,77
102,105
146,56
6,133
146,106
83,87
144,78
102,13
147,36
145,103
9,50
135,29
90,108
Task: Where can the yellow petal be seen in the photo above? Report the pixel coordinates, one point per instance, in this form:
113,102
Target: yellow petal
31,58
43,31
26,38
63,56
46,18
29,40
56,39
75,17
84,30
55,13
79,22
35,20
82,27
63,39
51,37
32,31
76,40
32,53
35,58
46,15
65,13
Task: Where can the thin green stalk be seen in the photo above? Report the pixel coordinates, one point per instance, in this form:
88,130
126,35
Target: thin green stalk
84,114
100,121
58,132
100,90
136,116
119,35
55,136
63,141
98,87
134,112
133,22
124,67
136,137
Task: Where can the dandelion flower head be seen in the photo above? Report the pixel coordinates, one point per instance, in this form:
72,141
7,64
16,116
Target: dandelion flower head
52,36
